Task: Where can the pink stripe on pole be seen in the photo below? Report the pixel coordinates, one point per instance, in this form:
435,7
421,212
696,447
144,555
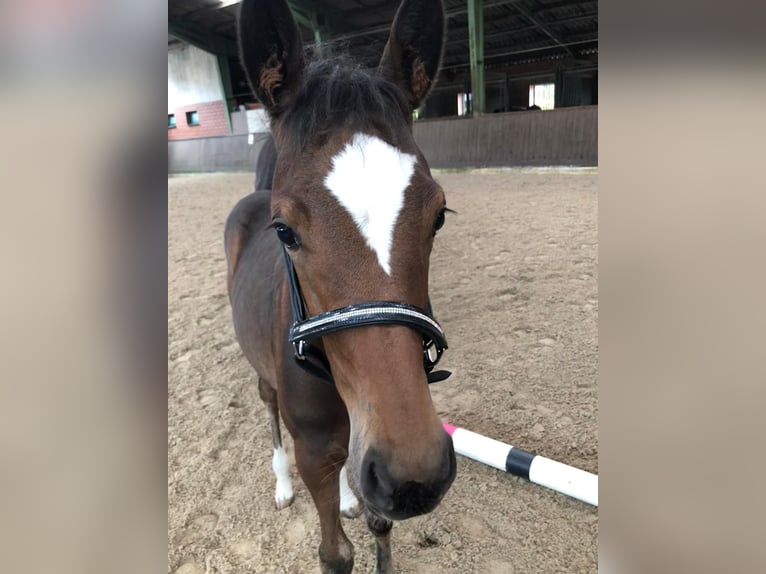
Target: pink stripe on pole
449,428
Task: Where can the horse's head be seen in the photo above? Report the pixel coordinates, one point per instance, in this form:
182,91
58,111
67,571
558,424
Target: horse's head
354,202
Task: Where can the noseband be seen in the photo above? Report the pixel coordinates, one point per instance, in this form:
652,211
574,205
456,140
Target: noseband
305,330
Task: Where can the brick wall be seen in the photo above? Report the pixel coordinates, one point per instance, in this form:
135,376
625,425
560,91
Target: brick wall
212,121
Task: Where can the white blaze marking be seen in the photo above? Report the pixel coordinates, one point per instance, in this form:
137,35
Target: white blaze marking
284,490
348,502
368,178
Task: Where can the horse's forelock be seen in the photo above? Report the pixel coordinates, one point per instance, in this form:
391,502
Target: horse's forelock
337,94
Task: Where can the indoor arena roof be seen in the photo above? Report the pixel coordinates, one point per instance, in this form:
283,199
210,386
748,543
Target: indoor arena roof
516,32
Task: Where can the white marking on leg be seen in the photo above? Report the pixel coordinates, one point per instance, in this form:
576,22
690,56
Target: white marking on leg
284,492
349,505
368,178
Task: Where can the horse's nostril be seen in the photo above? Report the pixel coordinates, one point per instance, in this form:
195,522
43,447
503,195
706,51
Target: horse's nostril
376,484
372,477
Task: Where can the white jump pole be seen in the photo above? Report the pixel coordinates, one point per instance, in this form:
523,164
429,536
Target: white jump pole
560,477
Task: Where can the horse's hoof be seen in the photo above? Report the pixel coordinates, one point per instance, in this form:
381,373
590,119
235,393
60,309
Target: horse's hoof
284,495
283,502
352,510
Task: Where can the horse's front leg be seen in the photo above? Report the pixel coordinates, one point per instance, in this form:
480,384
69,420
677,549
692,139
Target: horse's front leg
319,465
381,529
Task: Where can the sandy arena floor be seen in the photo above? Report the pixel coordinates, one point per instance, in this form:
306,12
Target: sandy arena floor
514,284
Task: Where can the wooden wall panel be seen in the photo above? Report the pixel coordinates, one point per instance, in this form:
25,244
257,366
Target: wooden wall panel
566,136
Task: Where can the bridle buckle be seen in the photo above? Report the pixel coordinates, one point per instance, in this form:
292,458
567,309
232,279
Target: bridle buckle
299,347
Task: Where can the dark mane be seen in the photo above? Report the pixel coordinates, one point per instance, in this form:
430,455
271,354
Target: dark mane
337,93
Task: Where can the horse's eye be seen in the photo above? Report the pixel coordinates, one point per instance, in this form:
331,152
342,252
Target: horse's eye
286,236
439,223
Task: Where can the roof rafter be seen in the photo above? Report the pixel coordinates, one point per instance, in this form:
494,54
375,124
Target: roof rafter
543,28
506,33
201,38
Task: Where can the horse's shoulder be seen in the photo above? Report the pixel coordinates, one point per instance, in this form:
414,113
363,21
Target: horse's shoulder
249,214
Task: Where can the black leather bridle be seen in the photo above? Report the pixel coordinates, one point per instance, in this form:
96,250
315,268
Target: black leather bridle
305,330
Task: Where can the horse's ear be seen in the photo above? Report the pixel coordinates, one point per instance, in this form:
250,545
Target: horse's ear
271,50
414,50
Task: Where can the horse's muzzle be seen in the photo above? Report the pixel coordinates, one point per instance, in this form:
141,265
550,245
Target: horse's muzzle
397,498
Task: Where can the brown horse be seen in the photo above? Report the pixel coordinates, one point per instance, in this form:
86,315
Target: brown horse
328,274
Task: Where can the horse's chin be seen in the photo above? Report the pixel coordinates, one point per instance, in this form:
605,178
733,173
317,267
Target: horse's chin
411,512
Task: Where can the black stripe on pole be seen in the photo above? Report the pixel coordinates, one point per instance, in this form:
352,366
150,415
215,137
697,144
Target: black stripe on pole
518,462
